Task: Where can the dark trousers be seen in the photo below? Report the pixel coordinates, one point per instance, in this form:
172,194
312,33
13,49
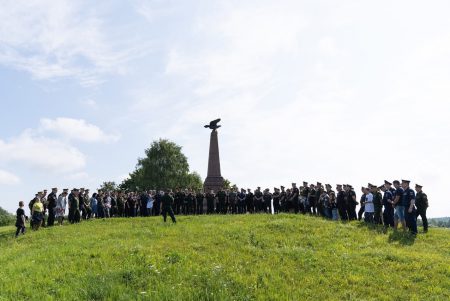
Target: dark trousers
361,212
51,217
20,229
343,213
169,211
388,218
411,221
368,217
422,212
377,216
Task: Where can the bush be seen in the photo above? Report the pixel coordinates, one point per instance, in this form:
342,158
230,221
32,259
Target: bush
5,217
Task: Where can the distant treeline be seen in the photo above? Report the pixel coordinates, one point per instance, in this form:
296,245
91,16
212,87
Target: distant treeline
441,222
6,218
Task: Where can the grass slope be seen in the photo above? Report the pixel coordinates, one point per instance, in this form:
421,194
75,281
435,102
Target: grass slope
252,257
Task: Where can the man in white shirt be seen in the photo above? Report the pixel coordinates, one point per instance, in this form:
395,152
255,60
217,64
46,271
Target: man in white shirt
369,208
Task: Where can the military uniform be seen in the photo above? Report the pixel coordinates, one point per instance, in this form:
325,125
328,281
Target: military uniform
276,201
199,202
388,213
210,199
410,217
267,201
422,205
340,204
51,208
312,199
221,202
249,201
167,201
378,205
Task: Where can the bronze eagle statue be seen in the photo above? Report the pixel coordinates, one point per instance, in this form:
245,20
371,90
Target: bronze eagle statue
213,125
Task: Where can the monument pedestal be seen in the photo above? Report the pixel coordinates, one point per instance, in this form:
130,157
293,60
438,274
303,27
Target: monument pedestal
214,180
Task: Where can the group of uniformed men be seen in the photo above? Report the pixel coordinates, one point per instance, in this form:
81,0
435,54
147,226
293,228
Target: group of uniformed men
401,204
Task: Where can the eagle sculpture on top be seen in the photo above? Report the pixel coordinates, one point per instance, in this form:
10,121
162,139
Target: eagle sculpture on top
213,125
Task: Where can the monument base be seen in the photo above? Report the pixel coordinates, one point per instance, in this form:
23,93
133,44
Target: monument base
213,183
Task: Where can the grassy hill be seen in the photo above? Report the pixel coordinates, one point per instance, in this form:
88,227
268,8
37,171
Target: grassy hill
251,257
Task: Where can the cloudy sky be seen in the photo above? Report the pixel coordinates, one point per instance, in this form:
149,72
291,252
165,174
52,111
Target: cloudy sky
335,91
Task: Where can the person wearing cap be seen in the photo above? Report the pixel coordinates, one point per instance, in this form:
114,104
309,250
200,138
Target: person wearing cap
388,204
267,201
60,208
422,205
326,206
350,202
294,199
319,191
377,204
361,203
221,201
304,203
399,211
241,201
340,203
408,201
210,200
250,207
369,208
167,202
51,199
276,200
283,199
199,201
312,200
258,200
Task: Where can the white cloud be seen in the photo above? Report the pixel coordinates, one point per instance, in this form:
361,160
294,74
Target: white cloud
45,154
7,178
76,129
59,39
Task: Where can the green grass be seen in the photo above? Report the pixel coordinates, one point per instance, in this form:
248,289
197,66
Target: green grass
251,257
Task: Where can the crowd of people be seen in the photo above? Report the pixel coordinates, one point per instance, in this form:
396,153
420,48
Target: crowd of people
391,204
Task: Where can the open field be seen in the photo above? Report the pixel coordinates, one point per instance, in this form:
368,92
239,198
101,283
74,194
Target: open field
251,257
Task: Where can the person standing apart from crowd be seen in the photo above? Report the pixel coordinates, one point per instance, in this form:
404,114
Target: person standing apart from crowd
422,205
167,202
20,219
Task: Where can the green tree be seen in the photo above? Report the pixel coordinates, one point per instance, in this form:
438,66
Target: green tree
5,217
108,186
164,166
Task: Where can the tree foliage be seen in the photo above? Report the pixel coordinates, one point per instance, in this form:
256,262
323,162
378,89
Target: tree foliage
108,186
164,166
5,217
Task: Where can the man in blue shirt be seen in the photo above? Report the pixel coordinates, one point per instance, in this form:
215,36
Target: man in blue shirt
408,201
399,214
388,213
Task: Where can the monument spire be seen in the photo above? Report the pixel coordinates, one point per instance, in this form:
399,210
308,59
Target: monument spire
214,179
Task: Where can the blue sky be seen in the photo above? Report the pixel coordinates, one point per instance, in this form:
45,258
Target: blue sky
335,91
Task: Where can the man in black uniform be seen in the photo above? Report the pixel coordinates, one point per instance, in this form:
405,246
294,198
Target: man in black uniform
304,204
258,200
319,191
210,200
200,196
276,200
51,199
388,203
249,201
267,201
167,202
179,197
312,199
340,203
232,201
283,200
352,203
422,205
241,201
362,203
221,201
377,204
295,197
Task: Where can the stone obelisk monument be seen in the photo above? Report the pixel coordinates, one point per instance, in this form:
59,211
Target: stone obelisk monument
214,180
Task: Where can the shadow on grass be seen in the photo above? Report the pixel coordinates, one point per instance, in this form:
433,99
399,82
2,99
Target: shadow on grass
401,237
